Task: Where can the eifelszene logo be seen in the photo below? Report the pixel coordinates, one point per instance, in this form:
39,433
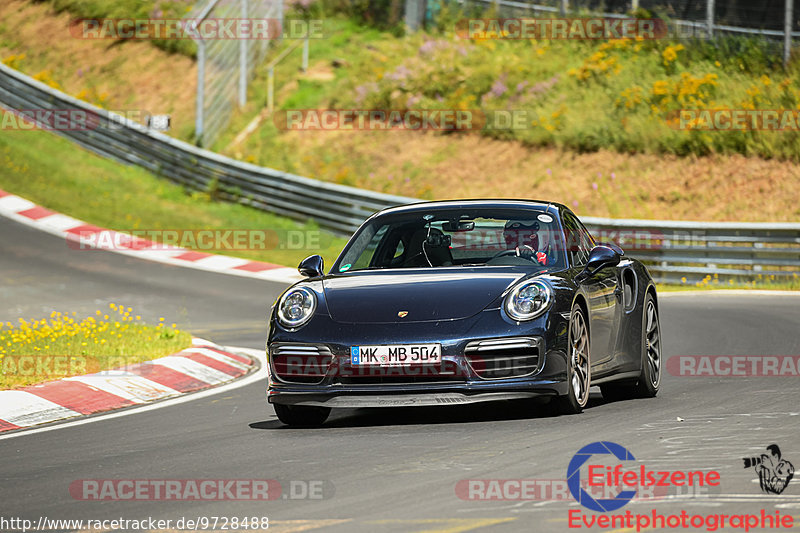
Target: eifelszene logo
774,472
574,476
626,482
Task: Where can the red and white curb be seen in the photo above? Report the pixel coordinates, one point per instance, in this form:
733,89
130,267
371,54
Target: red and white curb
72,230
202,366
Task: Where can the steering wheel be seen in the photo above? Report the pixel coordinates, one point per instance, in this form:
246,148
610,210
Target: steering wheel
530,257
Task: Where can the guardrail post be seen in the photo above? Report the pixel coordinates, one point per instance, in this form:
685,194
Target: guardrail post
787,32
305,54
710,18
280,18
271,89
634,5
201,90
243,44
415,13
564,7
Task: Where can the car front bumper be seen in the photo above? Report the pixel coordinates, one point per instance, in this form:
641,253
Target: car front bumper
549,381
339,386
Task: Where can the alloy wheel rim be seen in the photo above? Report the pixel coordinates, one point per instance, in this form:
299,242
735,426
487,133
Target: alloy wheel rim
653,343
579,359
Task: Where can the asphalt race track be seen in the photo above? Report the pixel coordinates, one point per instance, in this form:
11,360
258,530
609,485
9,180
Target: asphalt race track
385,470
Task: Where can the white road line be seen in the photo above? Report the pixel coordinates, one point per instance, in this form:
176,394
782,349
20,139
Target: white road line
729,292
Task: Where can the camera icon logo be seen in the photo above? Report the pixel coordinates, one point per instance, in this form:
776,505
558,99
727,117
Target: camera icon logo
774,472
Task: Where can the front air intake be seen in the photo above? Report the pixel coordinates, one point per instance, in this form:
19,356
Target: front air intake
503,358
300,363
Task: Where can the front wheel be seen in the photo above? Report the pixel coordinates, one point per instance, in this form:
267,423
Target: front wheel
649,380
301,415
578,367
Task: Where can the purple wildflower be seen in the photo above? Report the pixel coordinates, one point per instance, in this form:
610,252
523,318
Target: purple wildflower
401,73
498,88
427,47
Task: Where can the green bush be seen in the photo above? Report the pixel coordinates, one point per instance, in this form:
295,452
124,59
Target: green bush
621,95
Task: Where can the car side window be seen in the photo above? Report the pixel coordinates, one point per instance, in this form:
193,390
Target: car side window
579,242
587,241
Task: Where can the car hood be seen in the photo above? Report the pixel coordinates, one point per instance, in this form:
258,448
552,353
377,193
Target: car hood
374,297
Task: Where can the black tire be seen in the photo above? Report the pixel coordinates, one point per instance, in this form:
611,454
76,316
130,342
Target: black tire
301,415
649,381
579,369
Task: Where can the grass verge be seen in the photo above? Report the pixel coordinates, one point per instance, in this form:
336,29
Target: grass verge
60,346
360,66
56,174
585,148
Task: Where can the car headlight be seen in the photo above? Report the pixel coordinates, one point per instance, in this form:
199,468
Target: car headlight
528,300
296,307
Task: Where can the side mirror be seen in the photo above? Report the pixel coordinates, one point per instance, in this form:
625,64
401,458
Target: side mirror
613,246
312,266
600,257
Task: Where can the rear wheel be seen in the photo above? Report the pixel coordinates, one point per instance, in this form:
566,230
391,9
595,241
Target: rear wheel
649,379
578,367
301,415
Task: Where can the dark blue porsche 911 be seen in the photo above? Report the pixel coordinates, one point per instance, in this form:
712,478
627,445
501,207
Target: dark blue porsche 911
457,302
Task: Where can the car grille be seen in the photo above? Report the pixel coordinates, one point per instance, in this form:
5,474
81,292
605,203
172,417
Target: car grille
300,363
448,371
503,358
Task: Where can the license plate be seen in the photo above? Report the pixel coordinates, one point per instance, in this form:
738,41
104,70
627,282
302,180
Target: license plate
396,355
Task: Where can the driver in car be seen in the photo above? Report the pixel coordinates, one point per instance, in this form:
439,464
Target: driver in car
526,239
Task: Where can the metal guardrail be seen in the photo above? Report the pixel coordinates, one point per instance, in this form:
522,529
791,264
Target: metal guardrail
334,207
706,27
672,249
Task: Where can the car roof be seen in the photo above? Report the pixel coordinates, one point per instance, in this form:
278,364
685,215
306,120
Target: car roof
483,203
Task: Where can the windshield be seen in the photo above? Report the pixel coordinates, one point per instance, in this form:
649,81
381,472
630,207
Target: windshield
463,237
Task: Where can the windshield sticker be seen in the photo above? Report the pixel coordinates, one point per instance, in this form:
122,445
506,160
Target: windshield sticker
545,218
344,268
